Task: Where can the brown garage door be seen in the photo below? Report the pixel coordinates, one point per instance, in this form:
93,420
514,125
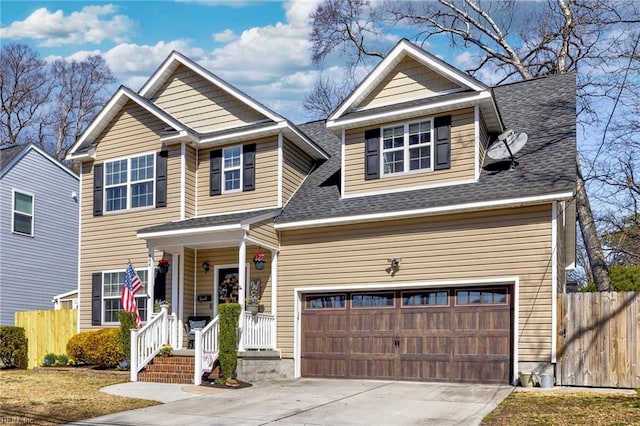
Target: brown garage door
449,335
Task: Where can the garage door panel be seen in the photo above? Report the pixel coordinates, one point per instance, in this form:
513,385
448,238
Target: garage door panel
378,368
324,366
371,345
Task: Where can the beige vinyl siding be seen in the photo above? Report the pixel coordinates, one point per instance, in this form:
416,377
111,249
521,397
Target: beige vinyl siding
190,182
462,159
229,256
490,244
264,196
189,279
297,166
408,80
264,231
201,105
108,241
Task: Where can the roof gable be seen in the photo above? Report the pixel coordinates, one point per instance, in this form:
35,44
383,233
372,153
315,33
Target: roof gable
157,82
203,106
84,144
9,157
406,64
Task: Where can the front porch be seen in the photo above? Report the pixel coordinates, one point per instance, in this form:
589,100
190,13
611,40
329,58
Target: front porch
258,358
211,260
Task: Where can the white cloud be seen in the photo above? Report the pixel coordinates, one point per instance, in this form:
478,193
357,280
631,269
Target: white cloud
225,36
93,24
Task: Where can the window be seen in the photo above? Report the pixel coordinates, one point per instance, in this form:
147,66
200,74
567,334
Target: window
22,213
425,298
112,283
482,297
372,300
325,301
129,183
407,148
232,168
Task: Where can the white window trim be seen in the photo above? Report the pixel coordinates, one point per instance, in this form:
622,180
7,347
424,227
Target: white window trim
138,295
129,183
224,169
13,212
406,148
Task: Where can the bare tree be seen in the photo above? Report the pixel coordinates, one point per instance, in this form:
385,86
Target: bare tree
48,104
515,40
80,89
25,89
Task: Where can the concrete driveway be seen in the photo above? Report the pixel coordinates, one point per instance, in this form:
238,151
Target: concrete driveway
312,402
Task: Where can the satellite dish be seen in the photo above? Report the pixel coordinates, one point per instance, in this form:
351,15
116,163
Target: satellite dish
507,145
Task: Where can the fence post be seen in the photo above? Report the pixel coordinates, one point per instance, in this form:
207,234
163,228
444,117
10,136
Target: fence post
133,362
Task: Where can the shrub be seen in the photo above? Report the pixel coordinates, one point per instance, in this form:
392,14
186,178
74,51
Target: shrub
127,322
228,338
98,347
13,347
53,360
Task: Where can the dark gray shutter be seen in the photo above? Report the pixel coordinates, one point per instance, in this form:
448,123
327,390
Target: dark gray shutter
249,167
96,298
215,180
161,178
372,154
98,189
443,142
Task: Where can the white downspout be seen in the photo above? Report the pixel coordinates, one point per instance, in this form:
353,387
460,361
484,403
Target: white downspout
274,296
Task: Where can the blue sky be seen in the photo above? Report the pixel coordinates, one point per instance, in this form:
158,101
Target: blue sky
261,47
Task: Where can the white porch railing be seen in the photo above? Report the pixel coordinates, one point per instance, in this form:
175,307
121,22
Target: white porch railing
258,331
147,341
206,349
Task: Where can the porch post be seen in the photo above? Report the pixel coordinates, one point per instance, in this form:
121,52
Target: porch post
151,283
274,296
175,301
242,278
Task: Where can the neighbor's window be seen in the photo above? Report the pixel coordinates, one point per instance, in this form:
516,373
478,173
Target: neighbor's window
112,283
232,168
129,183
22,213
407,147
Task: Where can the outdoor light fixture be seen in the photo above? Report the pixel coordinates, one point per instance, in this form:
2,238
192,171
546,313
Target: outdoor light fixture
205,266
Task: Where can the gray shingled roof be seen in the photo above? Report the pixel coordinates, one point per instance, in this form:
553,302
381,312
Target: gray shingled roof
8,154
208,221
544,108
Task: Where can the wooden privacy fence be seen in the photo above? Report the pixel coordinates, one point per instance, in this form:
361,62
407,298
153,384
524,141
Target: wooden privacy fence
47,331
598,340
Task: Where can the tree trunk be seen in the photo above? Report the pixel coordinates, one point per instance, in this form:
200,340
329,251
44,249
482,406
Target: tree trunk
598,265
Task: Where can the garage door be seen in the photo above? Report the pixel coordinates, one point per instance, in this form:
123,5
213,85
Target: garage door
448,335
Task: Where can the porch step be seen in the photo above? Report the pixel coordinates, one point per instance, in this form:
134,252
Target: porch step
169,369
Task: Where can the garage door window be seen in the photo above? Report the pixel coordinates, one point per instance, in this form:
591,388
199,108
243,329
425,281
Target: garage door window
425,298
482,297
336,301
372,300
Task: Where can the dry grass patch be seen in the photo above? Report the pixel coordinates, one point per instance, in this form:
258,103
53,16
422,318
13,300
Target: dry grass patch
565,408
56,397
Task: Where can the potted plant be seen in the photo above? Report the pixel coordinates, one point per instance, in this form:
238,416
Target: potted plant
163,265
252,302
259,260
166,350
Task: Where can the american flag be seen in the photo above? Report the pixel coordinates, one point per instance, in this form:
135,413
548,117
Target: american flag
132,285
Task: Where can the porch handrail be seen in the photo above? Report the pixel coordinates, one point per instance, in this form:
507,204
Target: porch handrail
258,331
147,341
206,348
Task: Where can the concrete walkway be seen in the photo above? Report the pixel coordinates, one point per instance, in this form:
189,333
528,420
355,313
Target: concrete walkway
309,402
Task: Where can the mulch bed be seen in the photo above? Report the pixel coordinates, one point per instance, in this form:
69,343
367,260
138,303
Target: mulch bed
210,383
